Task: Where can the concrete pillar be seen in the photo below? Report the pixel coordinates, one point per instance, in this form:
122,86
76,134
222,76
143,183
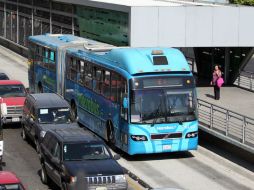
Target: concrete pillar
227,65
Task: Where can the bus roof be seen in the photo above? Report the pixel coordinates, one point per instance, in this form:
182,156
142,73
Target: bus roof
58,40
138,60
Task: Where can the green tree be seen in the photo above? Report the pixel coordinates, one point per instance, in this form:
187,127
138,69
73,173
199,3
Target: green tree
243,2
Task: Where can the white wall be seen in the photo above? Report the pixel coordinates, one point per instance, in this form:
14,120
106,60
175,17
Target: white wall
192,26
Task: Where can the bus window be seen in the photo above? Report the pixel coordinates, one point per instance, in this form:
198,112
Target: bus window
97,80
114,79
106,84
52,65
80,72
123,94
73,69
88,75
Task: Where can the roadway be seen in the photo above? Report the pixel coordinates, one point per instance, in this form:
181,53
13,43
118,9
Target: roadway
207,168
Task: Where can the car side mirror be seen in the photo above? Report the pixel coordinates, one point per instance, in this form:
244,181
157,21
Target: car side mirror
117,157
125,103
27,90
55,160
31,120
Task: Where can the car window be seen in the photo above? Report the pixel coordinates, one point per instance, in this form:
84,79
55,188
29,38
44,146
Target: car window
84,151
12,91
52,146
56,153
54,115
46,139
11,187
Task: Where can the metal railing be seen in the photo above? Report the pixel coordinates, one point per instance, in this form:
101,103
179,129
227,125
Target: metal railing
245,80
227,123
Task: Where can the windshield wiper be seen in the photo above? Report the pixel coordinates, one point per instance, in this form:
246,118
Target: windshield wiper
158,111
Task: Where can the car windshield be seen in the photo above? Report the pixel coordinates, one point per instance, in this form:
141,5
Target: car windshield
11,187
54,115
84,151
3,76
163,105
12,91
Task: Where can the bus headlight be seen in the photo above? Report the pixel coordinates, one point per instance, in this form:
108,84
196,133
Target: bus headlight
4,109
139,137
120,179
191,134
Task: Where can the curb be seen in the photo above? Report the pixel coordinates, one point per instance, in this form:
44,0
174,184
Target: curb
137,179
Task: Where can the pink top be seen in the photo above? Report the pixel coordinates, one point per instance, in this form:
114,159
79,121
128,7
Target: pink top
216,75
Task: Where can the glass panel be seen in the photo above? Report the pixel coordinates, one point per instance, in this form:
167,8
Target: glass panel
85,151
54,115
163,105
103,25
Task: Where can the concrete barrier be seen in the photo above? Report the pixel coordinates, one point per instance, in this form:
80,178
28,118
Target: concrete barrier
21,50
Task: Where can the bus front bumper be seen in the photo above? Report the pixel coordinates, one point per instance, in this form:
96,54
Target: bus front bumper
162,146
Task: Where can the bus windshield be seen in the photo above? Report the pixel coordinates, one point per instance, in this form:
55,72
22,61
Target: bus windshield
163,105
12,91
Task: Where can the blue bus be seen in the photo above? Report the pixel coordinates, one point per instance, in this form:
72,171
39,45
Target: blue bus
141,100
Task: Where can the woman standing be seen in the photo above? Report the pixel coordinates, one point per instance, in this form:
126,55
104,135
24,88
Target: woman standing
216,76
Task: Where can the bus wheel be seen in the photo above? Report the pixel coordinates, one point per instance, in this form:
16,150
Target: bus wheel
73,111
110,133
40,88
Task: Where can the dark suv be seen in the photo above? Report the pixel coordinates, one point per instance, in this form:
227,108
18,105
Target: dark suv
42,112
77,159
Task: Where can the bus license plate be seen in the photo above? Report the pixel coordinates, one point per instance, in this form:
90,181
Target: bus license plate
15,119
166,147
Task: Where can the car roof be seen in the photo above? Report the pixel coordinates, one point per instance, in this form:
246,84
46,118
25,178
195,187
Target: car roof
7,177
75,135
48,100
6,82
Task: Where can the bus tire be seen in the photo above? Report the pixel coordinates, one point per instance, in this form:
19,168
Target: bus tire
40,88
110,133
73,111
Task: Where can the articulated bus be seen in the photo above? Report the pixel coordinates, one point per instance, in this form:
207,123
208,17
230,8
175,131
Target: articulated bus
141,100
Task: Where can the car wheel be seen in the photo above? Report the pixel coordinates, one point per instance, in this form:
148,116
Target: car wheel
44,176
23,134
64,186
37,146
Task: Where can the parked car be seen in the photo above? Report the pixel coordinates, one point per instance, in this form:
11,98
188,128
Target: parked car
12,97
43,112
77,159
9,181
3,76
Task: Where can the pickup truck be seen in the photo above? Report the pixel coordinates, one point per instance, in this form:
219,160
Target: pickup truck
12,97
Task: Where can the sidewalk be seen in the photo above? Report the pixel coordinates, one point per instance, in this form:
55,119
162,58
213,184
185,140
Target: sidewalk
232,98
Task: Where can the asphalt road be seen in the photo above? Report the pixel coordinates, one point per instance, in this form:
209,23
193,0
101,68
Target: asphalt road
206,168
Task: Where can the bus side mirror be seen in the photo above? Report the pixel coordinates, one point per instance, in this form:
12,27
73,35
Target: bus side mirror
125,103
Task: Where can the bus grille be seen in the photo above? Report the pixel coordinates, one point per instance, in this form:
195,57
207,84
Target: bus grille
166,136
14,110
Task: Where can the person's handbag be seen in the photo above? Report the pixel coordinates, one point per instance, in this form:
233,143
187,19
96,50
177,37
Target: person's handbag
220,82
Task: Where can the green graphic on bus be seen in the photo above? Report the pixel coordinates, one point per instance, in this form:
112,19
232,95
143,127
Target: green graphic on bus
89,105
